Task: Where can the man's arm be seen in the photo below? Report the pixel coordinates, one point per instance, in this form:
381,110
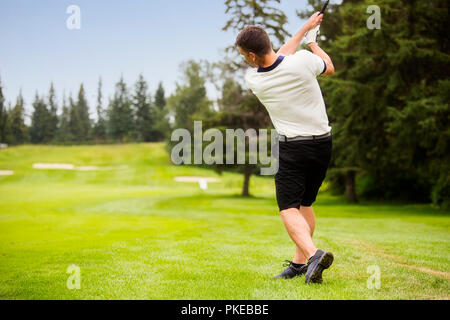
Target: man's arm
318,51
291,46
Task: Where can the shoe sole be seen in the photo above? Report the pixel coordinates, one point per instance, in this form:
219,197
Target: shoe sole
324,263
298,275
284,278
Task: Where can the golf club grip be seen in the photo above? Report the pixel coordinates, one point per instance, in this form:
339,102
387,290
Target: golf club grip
324,6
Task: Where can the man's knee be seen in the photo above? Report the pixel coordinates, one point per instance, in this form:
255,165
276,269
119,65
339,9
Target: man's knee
289,211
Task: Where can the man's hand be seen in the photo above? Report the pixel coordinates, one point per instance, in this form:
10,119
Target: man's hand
312,35
313,24
291,46
314,21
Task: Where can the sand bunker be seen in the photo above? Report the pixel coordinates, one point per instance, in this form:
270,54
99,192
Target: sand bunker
93,168
67,166
6,173
53,166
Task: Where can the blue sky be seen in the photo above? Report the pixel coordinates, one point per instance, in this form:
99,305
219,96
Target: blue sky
151,37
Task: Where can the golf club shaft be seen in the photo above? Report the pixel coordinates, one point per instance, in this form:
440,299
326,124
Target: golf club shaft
324,6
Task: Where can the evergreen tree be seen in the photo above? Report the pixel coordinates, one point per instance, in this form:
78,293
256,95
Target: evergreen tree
17,127
53,110
64,133
160,97
75,126
3,117
120,114
83,114
40,129
80,123
144,115
100,125
161,125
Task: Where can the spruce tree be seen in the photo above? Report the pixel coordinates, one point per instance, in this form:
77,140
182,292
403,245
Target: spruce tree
100,125
144,115
160,98
17,127
64,133
3,117
83,116
161,125
120,115
53,110
39,130
74,121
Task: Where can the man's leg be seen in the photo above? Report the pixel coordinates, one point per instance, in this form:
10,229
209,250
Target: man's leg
299,230
308,214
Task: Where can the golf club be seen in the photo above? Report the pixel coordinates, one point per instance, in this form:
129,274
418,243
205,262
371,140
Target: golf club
324,6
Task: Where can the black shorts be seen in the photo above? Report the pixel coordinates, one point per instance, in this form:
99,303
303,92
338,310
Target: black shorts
303,166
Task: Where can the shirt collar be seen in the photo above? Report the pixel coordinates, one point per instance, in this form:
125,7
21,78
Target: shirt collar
273,66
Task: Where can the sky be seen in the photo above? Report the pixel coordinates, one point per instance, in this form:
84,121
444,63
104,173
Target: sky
116,38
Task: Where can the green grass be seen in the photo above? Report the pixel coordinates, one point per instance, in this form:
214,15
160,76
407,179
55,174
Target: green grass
137,234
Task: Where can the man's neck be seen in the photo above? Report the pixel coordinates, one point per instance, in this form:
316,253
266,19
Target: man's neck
269,59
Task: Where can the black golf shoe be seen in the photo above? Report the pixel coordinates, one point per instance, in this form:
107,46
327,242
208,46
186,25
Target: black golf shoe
291,271
320,261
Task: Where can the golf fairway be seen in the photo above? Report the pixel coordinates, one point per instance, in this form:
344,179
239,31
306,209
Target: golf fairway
136,233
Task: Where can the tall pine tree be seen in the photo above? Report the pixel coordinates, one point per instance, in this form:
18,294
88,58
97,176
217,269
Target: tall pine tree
83,113
17,127
40,128
144,115
3,117
120,114
161,125
99,131
160,97
64,133
53,110
74,120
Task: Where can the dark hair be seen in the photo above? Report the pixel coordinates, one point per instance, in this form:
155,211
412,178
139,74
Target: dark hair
254,39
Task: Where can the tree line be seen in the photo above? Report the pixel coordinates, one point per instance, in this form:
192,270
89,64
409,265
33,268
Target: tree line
130,115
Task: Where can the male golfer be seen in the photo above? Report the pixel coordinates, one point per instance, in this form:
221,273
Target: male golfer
285,82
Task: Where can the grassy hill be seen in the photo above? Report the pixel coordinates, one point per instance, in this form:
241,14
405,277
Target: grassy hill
136,233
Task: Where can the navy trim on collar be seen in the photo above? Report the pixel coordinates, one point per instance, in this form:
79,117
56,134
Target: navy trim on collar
273,66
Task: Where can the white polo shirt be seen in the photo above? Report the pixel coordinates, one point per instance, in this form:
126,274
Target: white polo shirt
291,94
